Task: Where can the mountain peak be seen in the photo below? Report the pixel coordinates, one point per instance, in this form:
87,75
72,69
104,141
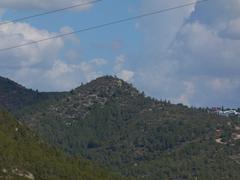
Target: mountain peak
108,85
107,81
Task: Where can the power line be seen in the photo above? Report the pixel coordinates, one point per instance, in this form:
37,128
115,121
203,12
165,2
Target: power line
104,25
50,12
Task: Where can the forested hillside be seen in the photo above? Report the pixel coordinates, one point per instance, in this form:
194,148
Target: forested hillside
110,122
14,96
24,156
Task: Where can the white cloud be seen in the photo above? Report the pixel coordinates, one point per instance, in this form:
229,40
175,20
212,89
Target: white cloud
204,52
41,65
232,29
99,61
42,4
64,76
72,38
28,64
59,76
187,94
126,75
59,69
119,63
120,71
20,33
160,30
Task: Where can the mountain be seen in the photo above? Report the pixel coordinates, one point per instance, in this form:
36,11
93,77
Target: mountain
110,122
25,156
14,96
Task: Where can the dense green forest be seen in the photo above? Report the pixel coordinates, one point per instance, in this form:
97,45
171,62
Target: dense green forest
25,156
110,122
14,96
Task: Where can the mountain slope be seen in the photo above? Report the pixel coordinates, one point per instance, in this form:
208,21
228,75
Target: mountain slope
24,156
109,121
14,96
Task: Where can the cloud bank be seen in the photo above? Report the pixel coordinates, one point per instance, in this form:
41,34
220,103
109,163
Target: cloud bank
42,64
197,61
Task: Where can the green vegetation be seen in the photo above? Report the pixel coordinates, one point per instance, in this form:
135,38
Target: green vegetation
24,156
14,96
110,122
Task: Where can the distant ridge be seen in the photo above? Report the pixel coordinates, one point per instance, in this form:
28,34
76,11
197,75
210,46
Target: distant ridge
14,96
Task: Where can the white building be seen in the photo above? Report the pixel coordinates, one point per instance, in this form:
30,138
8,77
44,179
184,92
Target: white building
229,113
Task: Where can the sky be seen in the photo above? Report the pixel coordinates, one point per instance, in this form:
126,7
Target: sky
188,55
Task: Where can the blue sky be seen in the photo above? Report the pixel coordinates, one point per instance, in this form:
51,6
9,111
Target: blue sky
189,55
